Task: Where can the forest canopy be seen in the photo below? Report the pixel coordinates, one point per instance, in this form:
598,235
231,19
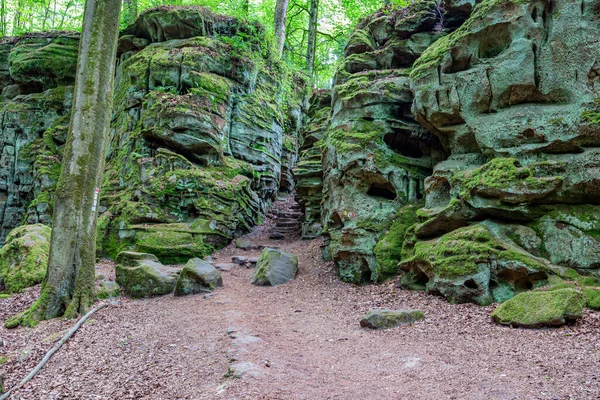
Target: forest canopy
335,21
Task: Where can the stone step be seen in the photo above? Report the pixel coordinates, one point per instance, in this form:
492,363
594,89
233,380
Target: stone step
291,224
287,229
276,236
287,221
290,215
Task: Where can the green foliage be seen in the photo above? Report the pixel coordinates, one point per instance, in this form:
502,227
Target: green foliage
336,22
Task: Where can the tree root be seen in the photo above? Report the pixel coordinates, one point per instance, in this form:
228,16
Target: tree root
54,350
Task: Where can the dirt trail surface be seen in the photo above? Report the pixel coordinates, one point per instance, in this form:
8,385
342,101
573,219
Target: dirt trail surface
301,340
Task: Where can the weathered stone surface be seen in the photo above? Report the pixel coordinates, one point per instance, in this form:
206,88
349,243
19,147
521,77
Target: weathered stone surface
108,290
199,134
198,276
309,169
274,267
24,258
384,318
541,308
147,278
375,155
204,121
517,119
131,258
473,264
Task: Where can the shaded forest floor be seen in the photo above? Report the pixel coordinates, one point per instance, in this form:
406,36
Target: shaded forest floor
301,340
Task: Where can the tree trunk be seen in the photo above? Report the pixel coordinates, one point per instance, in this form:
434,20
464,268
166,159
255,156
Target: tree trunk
281,10
311,47
68,288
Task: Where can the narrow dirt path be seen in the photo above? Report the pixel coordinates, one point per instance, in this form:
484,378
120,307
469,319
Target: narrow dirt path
302,340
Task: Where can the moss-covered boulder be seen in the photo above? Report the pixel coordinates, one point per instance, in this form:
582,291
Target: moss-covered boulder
24,258
384,318
198,276
474,264
541,308
146,278
274,267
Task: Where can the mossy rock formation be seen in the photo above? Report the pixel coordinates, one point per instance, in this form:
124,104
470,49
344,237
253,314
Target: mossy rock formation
24,258
274,267
204,134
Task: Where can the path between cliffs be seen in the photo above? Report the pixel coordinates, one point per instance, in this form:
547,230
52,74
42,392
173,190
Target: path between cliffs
301,340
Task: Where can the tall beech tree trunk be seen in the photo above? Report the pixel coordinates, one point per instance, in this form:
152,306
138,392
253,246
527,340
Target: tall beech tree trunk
281,10
313,19
68,288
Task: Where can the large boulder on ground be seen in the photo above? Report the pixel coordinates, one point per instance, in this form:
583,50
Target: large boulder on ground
24,257
541,308
198,276
475,264
146,277
384,318
274,267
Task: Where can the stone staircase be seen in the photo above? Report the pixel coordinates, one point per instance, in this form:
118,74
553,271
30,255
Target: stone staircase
287,222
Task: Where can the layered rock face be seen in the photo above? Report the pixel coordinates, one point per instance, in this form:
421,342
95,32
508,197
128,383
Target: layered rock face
36,74
198,138
309,169
513,96
376,156
462,148
204,133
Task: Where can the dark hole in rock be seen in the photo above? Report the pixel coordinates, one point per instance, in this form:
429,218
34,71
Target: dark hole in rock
470,283
385,190
401,142
534,14
524,284
495,40
420,280
180,129
336,221
370,119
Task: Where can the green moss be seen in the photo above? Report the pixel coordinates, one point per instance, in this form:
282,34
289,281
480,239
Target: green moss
388,251
458,253
541,308
172,244
502,174
24,257
592,298
108,290
591,115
